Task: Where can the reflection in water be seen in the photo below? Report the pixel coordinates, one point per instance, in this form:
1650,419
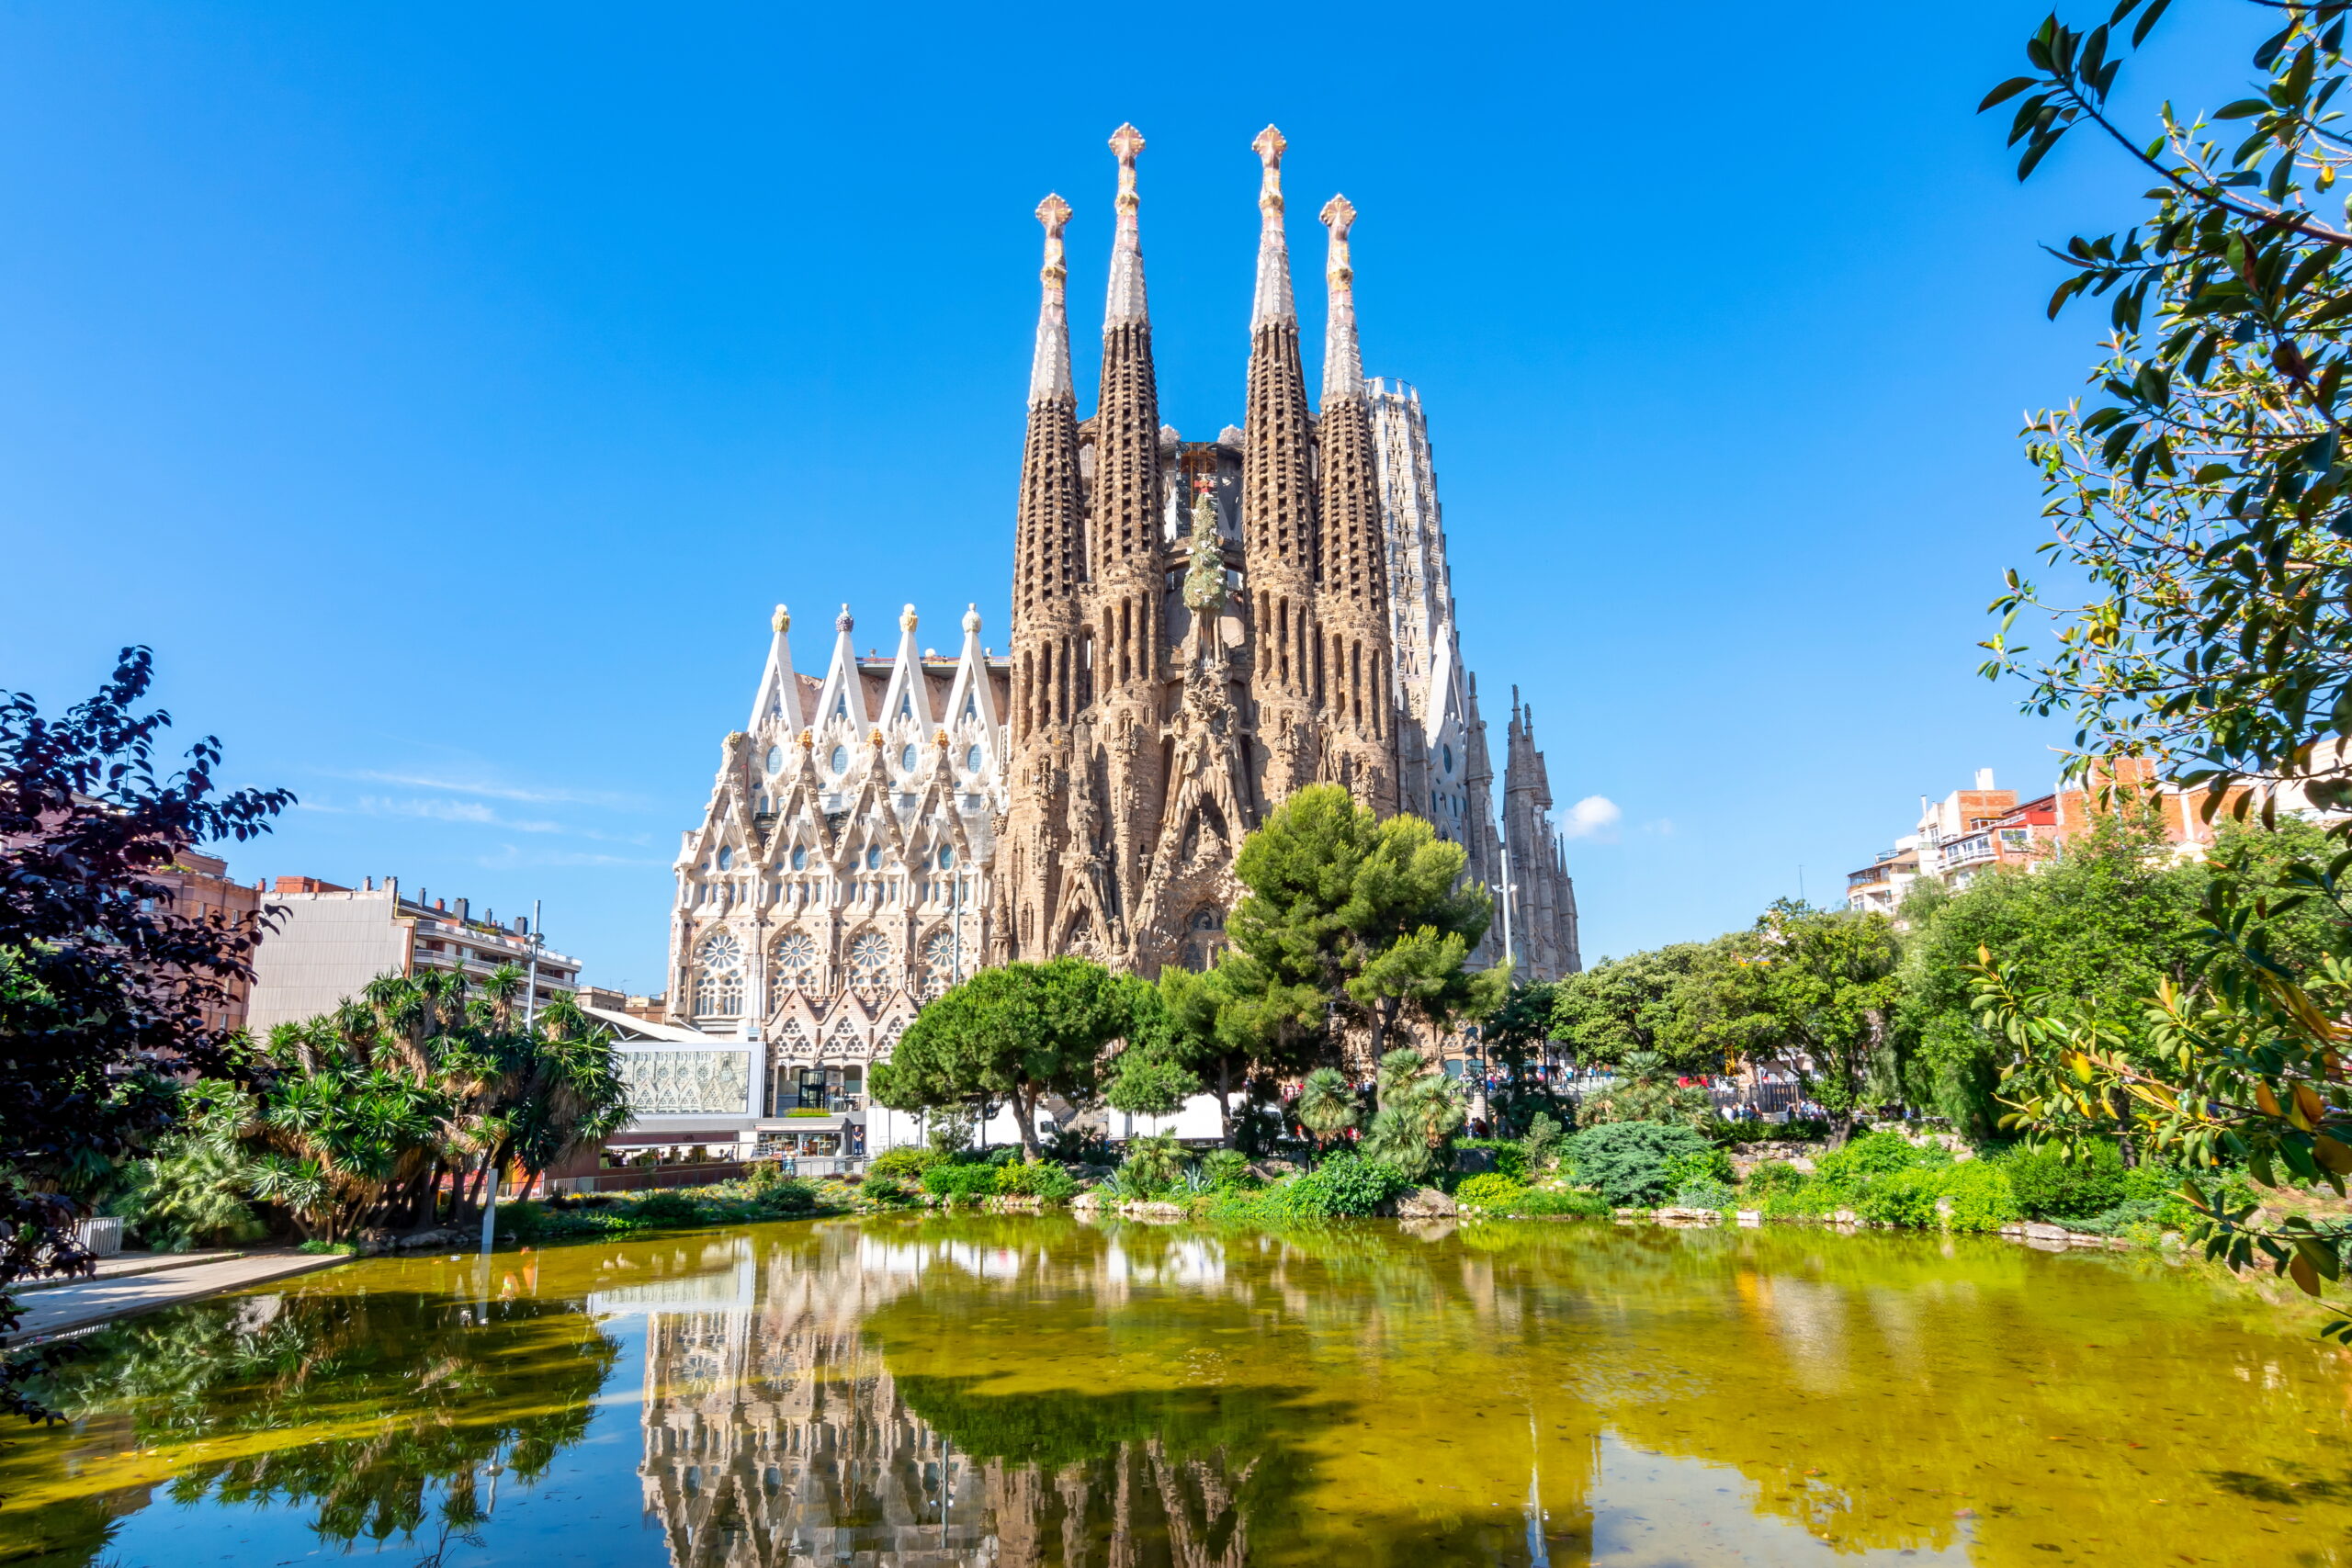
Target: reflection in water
1022,1391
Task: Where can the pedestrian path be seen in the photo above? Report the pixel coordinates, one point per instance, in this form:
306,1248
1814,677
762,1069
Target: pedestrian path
54,1309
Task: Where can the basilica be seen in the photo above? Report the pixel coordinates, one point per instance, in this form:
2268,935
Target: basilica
1199,628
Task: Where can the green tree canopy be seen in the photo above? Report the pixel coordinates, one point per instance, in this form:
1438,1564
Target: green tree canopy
1635,1003
1017,1032
1354,922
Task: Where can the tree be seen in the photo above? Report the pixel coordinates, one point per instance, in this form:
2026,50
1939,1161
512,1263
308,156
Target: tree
1646,1090
1020,1032
1419,1111
2205,496
1351,922
1624,1005
2208,497
1327,1106
1517,1034
108,992
1811,989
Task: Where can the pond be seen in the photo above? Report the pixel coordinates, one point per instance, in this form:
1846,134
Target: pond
1017,1390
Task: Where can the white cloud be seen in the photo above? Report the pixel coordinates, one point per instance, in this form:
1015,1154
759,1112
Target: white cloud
510,857
535,796
1594,816
470,811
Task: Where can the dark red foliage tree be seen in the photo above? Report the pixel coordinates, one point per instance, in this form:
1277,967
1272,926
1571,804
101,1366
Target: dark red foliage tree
104,987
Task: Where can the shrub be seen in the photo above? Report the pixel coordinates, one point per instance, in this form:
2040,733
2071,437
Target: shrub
906,1162
2049,1185
667,1207
959,1183
1707,1165
1345,1185
1626,1160
1901,1198
1545,1201
1510,1155
1491,1190
1227,1167
1704,1192
1981,1197
785,1196
884,1191
1872,1154
1775,1176
1036,1179
1153,1162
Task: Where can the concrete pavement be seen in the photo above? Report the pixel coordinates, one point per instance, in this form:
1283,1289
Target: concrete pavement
59,1309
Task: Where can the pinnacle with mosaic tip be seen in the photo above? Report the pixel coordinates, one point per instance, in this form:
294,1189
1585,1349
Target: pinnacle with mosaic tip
1126,299
1273,303
781,620
1342,359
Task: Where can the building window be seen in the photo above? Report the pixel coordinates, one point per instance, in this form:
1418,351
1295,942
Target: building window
938,964
793,966
775,759
726,857
906,759
869,965
874,858
800,859
719,976
839,759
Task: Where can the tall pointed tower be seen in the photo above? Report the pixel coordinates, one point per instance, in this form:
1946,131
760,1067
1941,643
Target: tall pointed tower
1123,647
1049,576
1278,507
1360,735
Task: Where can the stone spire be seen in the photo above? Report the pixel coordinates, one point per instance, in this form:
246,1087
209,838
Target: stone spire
1049,375
1049,554
1342,361
1358,695
1125,532
1291,664
1126,299
1274,302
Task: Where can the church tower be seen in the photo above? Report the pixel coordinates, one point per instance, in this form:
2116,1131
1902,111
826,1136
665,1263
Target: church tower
1122,651
1278,507
1360,736
1049,577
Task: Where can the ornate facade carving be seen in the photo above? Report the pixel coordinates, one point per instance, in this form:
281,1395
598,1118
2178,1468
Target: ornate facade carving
1198,629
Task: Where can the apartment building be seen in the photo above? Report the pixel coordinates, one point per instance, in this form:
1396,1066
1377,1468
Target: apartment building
329,941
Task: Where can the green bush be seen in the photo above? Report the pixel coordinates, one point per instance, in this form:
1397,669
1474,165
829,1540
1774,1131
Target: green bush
1036,1179
666,1207
1545,1202
1704,1192
1626,1160
1982,1198
1707,1165
884,1191
2050,1186
1872,1154
1490,1190
1901,1198
959,1183
1510,1155
1345,1185
1775,1176
905,1163
1227,1167
1154,1162
785,1196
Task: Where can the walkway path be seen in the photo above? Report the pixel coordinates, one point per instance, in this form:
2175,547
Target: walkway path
126,1291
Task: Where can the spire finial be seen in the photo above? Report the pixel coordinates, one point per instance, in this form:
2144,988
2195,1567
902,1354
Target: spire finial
1274,304
1050,366
971,620
907,620
1342,359
841,621
1127,303
781,620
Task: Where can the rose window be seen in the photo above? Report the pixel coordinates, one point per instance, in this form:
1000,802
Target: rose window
719,976
938,964
794,966
869,965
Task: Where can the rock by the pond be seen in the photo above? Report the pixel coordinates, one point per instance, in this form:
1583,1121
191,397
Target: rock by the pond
1751,1216
1845,1217
1681,1216
2036,1231
1425,1203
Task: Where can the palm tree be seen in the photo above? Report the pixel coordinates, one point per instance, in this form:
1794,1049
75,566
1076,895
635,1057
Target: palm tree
1419,1108
1327,1106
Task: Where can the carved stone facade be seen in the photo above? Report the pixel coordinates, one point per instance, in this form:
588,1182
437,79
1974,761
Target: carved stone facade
1198,629
1170,685
839,877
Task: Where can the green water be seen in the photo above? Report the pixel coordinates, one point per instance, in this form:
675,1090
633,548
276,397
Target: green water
1042,1392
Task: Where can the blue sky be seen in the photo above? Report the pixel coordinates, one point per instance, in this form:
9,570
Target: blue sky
447,393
